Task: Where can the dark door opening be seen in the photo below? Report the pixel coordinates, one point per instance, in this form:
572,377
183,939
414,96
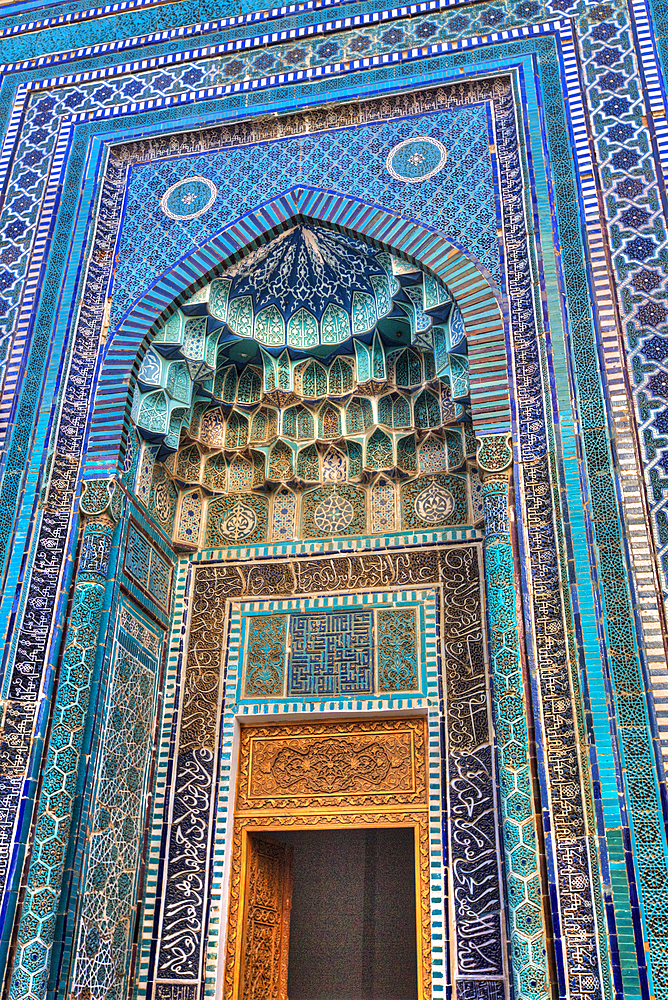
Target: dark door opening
352,922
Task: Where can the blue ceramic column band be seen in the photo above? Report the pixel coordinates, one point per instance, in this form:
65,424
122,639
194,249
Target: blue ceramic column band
30,974
523,880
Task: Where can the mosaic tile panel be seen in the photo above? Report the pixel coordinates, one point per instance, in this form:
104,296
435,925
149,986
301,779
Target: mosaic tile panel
470,796
522,864
383,506
61,765
408,567
147,567
190,519
145,478
265,656
337,654
163,499
333,510
108,900
397,662
283,516
330,654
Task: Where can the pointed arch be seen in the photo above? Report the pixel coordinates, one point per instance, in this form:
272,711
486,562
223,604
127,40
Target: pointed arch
308,464
280,462
215,472
329,422
379,451
472,289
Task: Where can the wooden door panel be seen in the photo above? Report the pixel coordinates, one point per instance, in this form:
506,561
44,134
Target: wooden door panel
266,924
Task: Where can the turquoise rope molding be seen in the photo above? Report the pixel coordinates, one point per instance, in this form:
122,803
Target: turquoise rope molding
528,947
100,505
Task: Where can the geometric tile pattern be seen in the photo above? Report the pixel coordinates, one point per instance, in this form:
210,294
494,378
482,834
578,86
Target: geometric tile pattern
596,107
112,864
265,656
61,766
332,654
397,664
147,567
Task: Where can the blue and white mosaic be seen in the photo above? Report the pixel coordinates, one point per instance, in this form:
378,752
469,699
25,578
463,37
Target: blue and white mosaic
548,147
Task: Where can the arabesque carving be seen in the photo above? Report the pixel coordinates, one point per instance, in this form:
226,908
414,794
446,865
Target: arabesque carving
295,766
264,952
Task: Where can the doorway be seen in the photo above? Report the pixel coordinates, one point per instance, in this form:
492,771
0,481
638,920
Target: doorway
348,929
329,886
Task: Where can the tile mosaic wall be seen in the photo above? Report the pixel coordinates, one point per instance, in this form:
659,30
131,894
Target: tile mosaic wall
599,93
109,894
263,622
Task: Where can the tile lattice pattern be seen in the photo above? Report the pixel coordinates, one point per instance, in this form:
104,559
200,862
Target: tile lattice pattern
342,653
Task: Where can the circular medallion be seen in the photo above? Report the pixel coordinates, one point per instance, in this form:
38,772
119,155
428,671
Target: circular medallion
333,514
434,504
189,198
416,160
239,523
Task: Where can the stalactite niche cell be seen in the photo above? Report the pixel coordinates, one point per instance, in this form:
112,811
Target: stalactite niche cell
163,498
383,506
232,519
190,518
431,501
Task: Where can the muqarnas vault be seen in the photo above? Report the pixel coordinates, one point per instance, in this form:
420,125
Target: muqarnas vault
333,511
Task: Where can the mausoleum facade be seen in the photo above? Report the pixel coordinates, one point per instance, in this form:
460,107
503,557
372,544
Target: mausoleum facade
333,500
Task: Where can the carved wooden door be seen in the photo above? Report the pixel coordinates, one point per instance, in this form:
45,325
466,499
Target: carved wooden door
266,925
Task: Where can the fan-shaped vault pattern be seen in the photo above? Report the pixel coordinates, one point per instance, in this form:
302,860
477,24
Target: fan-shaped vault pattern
481,318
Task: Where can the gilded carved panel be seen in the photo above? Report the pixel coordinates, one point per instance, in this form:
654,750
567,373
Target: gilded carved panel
310,776
378,763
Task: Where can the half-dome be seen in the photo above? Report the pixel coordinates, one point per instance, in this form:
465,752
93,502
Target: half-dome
307,287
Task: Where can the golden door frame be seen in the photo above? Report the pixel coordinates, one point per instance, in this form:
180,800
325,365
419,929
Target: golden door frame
392,793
